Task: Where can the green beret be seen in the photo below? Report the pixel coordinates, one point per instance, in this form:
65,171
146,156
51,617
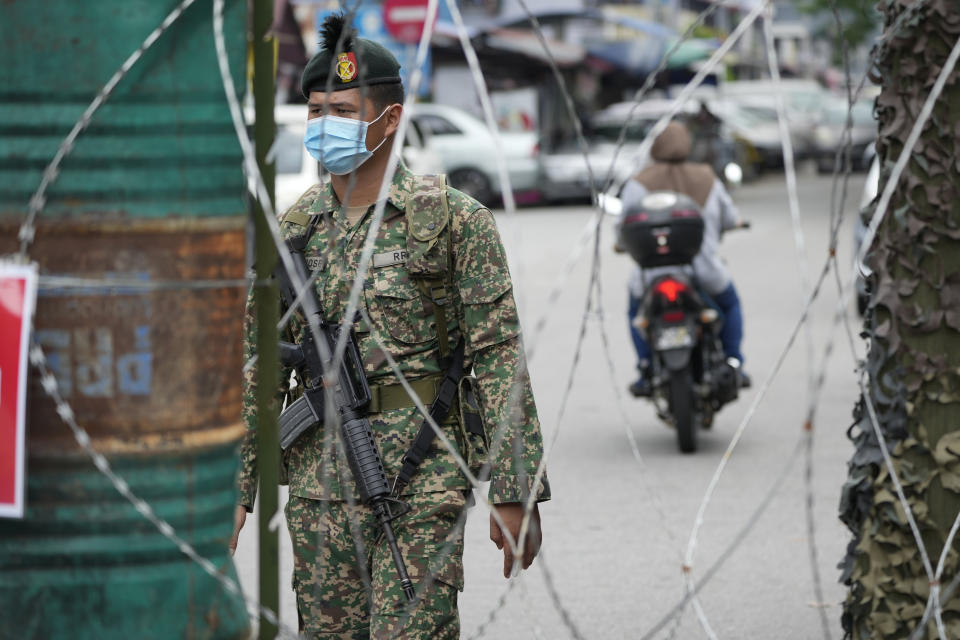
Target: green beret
357,62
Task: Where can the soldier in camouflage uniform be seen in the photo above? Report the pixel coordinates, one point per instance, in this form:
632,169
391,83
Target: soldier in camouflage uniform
324,524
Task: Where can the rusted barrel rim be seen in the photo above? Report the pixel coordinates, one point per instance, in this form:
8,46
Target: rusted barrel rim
95,225
149,443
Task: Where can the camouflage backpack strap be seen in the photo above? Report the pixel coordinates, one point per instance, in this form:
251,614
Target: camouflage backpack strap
430,256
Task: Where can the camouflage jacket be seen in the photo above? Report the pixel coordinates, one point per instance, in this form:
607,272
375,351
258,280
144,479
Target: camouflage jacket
482,311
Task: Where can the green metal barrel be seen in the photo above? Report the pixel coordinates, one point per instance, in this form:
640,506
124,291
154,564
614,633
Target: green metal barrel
153,191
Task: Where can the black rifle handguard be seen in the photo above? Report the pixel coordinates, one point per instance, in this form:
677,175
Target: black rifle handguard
364,458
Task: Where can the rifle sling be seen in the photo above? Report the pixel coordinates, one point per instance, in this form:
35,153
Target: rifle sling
420,447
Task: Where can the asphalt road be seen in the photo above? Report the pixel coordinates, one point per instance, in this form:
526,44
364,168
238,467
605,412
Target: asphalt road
617,529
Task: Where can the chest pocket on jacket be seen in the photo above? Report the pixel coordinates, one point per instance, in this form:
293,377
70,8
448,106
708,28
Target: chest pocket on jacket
396,307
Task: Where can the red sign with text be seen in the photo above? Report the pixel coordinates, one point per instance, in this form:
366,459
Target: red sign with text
405,19
18,294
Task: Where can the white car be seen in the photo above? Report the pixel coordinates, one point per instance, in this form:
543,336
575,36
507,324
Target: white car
297,171
468,153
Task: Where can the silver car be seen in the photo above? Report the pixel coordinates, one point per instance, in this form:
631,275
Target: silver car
828,134
469,154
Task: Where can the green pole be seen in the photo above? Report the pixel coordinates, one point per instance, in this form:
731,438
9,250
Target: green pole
266,301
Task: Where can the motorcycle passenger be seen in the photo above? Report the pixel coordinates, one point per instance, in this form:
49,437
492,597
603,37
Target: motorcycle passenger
670,171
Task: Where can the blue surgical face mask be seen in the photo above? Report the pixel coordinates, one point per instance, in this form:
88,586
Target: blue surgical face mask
339,144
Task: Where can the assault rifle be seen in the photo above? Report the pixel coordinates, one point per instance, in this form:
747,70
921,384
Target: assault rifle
352,396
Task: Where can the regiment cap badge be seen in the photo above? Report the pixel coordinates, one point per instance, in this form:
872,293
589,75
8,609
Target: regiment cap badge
346,66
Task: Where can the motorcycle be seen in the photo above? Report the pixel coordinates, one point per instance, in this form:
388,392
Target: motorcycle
690,377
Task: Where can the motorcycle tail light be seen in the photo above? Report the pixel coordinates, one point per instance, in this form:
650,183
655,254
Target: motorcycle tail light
670,289
673,316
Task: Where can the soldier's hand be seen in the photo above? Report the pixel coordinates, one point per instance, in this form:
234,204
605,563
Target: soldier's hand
512,515
239,518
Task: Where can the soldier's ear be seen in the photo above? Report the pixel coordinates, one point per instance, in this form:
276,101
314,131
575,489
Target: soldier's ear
393,116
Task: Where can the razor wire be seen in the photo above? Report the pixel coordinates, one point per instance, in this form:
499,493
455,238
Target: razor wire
898,487
550,583
800,246
875,222
628,430
499,606
235,112
49,383
658,128
948,592
23,234
593,226
50,174
646,144
845,288
727,553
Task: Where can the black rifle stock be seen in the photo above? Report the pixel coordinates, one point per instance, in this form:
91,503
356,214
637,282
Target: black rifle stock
351,394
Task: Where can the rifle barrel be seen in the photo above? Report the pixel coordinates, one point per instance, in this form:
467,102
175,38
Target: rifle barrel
383,515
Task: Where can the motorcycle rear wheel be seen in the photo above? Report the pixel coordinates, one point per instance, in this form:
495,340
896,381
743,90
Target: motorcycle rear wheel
682,409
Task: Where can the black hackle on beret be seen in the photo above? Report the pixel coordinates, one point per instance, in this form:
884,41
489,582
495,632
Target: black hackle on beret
332,30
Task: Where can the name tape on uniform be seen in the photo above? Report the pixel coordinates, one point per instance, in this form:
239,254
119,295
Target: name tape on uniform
390,258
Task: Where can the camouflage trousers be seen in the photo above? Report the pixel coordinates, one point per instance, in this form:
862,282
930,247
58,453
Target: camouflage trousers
329,572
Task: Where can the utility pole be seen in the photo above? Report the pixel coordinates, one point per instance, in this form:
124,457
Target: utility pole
913,362
266,301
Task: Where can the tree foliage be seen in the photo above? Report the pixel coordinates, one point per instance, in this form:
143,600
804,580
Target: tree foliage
860,20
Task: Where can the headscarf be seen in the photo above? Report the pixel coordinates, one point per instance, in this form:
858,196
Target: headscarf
670,170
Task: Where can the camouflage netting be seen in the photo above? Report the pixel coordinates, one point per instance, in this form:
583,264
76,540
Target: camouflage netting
914,357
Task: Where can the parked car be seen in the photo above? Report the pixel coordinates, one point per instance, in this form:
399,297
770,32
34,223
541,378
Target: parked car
565,169
468,153
803,100
828,134
297,171
756,132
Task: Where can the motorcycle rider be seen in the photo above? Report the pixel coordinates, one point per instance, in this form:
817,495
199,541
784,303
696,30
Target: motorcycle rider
670,171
